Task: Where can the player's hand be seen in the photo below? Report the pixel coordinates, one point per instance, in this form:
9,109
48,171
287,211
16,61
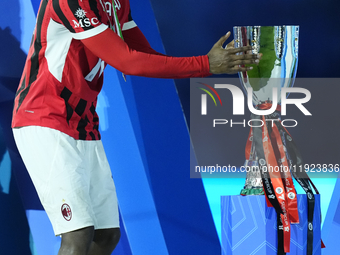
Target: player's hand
227,61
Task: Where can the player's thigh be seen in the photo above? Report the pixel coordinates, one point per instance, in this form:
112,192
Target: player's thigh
103,191
55,162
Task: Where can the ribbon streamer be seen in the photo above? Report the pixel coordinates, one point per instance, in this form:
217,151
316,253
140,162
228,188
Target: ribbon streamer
271,145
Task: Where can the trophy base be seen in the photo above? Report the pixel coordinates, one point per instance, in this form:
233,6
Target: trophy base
249,226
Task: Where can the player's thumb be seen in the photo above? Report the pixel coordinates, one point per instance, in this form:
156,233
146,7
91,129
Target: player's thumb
222,40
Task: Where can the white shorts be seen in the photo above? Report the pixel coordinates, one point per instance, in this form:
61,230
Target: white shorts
72,177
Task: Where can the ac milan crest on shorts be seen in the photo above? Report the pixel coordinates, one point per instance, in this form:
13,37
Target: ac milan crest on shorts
66,212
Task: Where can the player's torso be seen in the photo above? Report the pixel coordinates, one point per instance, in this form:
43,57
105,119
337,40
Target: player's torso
62,78
79,64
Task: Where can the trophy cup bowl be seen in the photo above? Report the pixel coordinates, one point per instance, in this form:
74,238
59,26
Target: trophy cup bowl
277,69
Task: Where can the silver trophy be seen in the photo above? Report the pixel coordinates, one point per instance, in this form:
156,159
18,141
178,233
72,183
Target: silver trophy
277,69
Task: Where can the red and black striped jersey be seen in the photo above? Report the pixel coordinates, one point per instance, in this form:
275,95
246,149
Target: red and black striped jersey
62,78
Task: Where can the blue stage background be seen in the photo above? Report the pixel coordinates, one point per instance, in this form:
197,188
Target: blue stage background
145,131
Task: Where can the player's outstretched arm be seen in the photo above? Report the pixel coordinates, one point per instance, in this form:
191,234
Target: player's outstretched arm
114,51
136,40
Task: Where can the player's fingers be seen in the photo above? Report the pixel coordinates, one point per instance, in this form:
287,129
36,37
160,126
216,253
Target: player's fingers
230,45
245,62
241,49
246,56
237,69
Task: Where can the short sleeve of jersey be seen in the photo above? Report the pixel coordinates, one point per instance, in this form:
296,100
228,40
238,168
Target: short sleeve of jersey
83,18
124,14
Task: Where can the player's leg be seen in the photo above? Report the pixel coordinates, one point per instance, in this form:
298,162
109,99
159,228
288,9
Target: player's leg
104,241
77,242
58,168
74,183
104,201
